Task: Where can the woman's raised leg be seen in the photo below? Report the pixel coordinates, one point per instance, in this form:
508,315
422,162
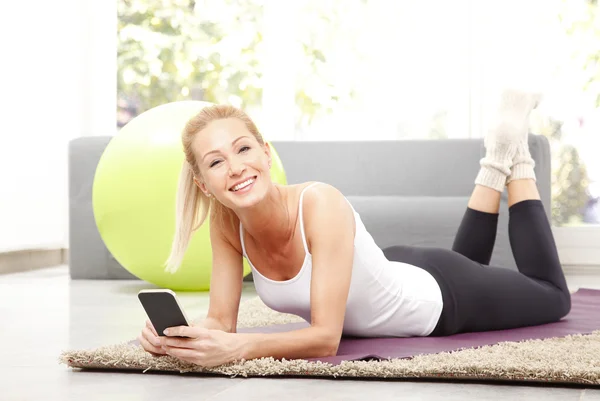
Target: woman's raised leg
531,238
484,199
476,234
495,298
538,293
520,190
529,230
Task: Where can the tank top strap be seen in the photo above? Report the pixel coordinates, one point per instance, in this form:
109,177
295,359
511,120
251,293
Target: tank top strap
300,216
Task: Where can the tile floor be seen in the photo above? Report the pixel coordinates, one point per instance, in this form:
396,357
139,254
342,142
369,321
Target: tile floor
44,312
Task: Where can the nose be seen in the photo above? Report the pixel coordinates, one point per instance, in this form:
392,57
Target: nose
236,168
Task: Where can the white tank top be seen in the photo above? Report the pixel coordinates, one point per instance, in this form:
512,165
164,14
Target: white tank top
386,299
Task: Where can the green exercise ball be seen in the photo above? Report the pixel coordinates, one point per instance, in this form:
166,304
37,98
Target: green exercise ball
134,194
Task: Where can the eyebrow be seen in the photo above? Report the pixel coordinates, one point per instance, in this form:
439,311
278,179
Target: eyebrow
232,143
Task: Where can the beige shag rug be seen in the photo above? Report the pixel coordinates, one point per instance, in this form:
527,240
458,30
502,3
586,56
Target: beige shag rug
573,359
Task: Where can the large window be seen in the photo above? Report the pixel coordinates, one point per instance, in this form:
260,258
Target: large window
186,49
378,69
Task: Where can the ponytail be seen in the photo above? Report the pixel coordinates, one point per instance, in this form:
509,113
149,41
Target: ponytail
192,207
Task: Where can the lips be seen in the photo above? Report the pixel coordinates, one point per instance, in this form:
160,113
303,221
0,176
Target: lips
242,184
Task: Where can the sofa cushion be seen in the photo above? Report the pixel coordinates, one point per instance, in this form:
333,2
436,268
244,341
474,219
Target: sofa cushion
424,221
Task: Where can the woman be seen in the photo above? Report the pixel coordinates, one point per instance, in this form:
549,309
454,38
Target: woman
311,255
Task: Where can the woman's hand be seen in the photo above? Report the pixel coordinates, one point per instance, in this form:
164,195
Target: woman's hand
150,340
204,347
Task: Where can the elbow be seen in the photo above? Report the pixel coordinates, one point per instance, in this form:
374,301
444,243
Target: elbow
330,345
332,349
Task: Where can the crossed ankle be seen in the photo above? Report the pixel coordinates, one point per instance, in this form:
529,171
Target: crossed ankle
491,177
522,171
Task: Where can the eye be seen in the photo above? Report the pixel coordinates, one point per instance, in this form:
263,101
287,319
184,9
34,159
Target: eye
214,163
244,149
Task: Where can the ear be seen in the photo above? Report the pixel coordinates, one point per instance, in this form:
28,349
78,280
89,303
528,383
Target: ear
201,185
268,152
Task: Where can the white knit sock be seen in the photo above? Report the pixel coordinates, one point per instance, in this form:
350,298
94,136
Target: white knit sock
495,166
523,166
507,138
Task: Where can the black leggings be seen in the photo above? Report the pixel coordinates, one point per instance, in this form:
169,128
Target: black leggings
480,298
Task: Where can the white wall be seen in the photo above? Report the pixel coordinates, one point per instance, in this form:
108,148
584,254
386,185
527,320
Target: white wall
57,83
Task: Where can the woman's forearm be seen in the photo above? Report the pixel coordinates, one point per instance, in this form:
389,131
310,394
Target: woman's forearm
213,324
312,342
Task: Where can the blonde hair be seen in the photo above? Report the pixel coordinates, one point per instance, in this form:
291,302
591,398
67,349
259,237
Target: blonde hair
192,205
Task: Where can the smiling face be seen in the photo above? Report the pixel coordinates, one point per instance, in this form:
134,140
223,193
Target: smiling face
234,166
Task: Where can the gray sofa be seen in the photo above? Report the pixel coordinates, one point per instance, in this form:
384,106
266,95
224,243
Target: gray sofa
411,192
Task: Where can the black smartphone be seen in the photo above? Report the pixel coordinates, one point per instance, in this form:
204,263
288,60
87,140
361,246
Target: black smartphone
162,309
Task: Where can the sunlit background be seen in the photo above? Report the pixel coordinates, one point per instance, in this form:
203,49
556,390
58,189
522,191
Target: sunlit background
377,70
315,70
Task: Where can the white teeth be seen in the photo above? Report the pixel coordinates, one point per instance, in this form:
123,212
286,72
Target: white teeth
243,184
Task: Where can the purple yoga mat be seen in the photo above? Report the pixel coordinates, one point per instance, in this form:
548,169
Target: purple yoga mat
584,318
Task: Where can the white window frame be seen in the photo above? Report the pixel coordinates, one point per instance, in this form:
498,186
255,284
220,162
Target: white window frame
579,247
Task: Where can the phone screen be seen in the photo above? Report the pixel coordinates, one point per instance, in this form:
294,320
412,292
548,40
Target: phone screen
162,310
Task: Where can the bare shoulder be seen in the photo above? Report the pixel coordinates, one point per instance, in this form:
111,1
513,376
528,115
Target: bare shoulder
227,228
320,192
325,207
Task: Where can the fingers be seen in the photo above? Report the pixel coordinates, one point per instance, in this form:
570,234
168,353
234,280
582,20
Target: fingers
187,331
151,327
150,342
151,338
184,354
149,348
186,343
